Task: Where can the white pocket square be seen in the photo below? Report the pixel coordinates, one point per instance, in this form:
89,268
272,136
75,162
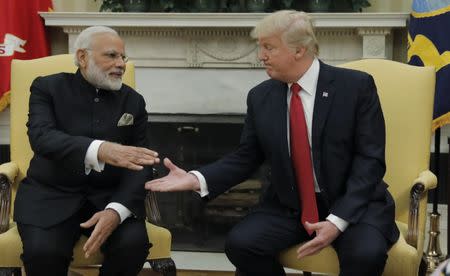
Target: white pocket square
126,120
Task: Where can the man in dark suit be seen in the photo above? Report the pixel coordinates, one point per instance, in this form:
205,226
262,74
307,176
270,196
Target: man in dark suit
328,193
88,132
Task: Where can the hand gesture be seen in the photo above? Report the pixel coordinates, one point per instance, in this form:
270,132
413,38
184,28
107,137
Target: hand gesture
177,180
133,158
326,233
105,222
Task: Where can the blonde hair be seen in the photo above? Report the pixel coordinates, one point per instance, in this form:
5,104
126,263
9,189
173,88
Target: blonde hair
295,28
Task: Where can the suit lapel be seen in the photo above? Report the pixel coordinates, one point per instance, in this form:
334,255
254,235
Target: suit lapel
324,97
279,113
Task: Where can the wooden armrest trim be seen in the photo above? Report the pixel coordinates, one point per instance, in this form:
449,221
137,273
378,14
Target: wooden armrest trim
5,202
417,192
151,204
151,209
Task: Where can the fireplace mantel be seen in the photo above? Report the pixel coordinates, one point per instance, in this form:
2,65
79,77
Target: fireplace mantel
205,63
221,40
237,20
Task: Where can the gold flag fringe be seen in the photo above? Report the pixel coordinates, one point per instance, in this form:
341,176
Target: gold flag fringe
4,101
441,121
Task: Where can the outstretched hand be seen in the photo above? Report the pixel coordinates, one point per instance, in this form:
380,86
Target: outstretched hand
326,233
133,158
177,180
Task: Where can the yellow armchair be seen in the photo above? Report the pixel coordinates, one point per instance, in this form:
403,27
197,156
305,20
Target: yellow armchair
23,72
407,95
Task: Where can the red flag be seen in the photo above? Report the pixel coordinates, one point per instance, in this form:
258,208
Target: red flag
22,36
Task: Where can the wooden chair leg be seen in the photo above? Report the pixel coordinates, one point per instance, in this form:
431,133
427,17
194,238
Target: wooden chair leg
10,271
164,266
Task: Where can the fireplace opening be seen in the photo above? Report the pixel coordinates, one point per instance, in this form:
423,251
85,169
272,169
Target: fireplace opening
197,225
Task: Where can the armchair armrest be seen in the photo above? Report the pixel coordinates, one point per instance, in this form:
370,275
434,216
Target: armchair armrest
426,181
8,173
9,170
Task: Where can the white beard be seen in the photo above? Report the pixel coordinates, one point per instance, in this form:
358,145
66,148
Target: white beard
101,79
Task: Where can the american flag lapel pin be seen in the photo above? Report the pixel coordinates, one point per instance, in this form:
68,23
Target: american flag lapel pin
325,94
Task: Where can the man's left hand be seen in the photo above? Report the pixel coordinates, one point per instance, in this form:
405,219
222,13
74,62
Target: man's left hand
326,233
105,222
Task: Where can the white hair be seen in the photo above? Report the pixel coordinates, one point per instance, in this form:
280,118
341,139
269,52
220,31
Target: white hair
84,39
295,28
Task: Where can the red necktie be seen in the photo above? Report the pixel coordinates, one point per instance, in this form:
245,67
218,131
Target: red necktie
301,158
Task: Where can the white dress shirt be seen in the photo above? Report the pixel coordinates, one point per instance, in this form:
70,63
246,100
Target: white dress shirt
91,162
308,83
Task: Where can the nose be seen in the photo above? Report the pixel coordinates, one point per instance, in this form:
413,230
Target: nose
119,62
262,54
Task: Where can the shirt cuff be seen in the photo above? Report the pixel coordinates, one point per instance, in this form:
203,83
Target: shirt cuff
91,161
203,186
123,211
338,222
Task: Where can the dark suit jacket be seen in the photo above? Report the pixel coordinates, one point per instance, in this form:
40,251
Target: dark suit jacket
65,115
348,143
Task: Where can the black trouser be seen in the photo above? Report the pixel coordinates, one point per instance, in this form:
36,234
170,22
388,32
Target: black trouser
254,244
48,251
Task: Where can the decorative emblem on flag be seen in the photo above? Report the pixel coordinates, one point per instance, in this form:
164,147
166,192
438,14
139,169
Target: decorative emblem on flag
429,45
11,44
22,36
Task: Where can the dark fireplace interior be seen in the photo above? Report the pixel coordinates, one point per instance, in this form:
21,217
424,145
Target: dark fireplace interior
196,225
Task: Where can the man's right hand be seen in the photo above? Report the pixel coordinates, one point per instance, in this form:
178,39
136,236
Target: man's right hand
176,180
133,158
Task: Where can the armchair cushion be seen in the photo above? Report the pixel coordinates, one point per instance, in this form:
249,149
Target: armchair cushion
11,246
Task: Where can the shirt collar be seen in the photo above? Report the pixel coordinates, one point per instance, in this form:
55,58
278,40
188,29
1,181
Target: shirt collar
308,81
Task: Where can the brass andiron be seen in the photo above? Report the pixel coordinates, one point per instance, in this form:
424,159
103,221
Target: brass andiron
433,256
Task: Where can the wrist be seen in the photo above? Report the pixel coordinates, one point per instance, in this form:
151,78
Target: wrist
114,212
195,182
101,151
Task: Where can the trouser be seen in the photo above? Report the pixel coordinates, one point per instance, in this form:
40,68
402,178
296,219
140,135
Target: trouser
254,244
48,251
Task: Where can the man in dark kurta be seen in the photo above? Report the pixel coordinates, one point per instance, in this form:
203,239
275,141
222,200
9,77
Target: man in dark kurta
88,134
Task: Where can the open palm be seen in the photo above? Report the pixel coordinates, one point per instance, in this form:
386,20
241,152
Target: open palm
177,180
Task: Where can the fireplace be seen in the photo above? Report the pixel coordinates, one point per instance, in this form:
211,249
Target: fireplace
197,225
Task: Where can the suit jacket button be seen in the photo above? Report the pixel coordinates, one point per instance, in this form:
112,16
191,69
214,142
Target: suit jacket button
96,100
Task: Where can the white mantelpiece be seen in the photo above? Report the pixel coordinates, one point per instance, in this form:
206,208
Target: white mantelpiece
205,63
222,39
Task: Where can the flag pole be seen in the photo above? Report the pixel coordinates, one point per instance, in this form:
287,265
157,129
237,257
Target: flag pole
448,202
437,159
433,255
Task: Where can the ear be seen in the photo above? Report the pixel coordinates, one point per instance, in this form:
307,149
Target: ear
82,57
300,52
